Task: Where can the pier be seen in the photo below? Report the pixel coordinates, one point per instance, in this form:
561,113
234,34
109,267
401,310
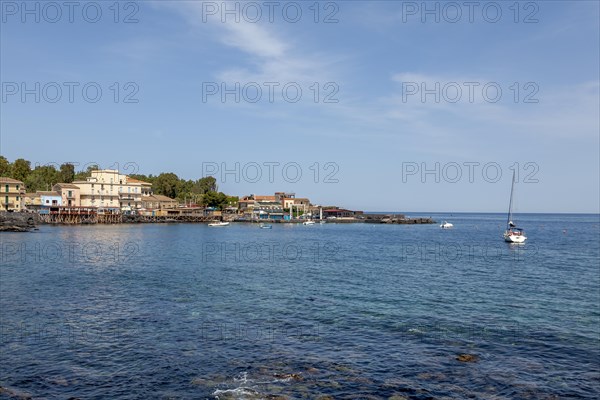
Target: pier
144,219
79,215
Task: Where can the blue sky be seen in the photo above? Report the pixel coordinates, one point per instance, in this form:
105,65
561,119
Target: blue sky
375,62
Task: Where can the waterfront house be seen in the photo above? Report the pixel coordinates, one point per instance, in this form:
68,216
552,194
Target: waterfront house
50,199
12,194
158,202
274,214
70,194
298,203
248,203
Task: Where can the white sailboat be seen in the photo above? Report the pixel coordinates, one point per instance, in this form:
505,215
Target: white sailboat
512,233
446,225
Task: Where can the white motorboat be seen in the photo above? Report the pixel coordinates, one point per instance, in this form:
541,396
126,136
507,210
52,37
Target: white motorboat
446,225
215,224
308,223
512,233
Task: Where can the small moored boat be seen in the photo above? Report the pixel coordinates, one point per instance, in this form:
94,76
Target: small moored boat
446,225
215,224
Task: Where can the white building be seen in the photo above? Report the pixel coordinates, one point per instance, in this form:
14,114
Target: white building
108,188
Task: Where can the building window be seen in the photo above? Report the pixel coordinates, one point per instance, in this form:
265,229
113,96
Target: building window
6,186
70,193
17,187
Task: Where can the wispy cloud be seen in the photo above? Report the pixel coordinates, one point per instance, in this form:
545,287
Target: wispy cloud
269,55
253,39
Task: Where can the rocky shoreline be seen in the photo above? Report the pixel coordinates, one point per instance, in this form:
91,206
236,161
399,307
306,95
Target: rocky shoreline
18,222
24,222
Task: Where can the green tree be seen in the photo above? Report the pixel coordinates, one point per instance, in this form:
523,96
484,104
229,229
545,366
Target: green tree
4,166
205,185
142,177
82,175
166,184
215,199
20,169
184,189
42,178
67,173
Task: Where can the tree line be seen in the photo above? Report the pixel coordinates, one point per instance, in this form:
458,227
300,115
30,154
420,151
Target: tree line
203,191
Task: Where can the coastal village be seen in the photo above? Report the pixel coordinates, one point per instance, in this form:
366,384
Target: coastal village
107,196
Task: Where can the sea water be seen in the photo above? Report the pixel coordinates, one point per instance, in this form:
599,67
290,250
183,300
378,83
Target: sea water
342,310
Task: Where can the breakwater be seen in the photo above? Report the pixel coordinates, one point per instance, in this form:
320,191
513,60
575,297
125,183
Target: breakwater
27,221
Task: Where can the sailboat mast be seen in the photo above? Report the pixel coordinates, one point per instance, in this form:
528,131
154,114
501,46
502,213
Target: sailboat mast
512,187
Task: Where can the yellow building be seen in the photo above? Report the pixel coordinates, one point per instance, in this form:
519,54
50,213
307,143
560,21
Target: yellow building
108,189
32,201
12,194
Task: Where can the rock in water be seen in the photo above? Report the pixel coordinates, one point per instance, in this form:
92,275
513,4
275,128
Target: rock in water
467,358
17,222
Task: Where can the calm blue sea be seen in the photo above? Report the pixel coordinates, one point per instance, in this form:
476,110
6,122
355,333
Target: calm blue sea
349,311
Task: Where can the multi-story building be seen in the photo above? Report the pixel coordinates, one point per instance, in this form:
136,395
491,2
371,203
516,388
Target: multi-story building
12,194
70,194
109,189
302,203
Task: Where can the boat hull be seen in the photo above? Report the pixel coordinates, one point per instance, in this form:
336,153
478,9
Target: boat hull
514,238
217,224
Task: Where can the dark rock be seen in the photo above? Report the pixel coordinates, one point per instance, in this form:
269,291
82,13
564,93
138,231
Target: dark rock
467,358
17,222
296,377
